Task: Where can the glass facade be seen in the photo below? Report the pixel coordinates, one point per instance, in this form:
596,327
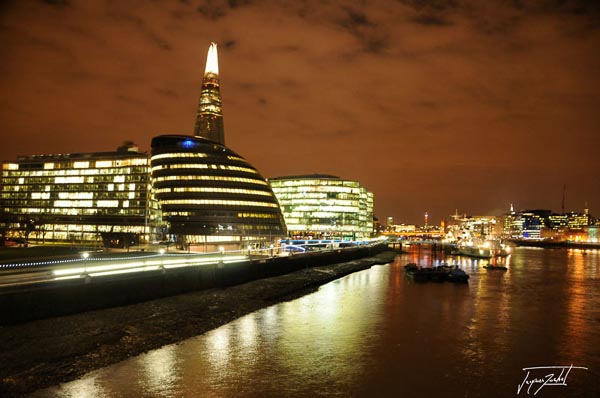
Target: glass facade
324,206
209,117
211,196
75,198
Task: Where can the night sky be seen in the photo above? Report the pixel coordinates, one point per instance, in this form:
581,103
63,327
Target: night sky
432,105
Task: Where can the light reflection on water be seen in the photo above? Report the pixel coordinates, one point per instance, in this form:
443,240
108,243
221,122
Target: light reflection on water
376,333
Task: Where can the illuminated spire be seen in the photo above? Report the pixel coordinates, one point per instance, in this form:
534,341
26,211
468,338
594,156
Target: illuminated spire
209,118
212,60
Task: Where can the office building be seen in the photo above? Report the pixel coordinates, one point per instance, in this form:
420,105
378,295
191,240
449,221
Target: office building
211,197
80,198
324,206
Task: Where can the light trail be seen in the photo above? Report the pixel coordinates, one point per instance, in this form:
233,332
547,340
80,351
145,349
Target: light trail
89,267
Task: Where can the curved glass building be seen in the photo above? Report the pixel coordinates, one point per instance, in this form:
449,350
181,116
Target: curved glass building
211,196
324,206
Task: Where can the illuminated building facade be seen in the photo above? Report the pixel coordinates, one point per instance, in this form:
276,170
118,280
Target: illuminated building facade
212,197
578,220
543,224
324,206
209,118
558,222
79,198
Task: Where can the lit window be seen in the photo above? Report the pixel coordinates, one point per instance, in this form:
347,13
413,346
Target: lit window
104,163
81,165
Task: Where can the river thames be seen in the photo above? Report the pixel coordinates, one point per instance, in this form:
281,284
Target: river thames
376,333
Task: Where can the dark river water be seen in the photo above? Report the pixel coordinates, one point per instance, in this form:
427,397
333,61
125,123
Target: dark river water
376,333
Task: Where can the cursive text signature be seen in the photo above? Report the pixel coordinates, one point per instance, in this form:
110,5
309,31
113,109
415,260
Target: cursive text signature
542,376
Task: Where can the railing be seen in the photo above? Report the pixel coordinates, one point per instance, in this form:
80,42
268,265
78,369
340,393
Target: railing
93,265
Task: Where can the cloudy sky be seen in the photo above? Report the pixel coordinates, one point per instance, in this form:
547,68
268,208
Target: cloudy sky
432,105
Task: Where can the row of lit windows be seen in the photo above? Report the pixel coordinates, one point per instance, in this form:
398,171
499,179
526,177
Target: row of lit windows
75,203
101,205
338,218
217,202
179,155
256,215
316,195
304,189
28,180
16,184
194,214
24,197
203,166
48,228
141,188
328,228
324,208
210,178
211,108
318,202
80,164
64,180
77,172
311,184
78,211
213,190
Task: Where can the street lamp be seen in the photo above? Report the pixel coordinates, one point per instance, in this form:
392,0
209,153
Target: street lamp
88,279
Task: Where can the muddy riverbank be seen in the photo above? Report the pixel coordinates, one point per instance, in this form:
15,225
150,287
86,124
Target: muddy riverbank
50,351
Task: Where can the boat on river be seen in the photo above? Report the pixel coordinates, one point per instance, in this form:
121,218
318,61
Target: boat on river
473,251
416,273
484,250
457,275
495,267
436,274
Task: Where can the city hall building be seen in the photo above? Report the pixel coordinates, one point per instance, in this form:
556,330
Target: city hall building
322,206
211,197
80,198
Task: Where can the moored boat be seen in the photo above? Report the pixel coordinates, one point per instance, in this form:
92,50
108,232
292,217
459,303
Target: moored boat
495,267
436,274
457,275
416,273
474,251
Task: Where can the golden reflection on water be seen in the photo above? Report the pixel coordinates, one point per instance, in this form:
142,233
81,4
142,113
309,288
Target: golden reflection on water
87,387
582,271
159,370
376,331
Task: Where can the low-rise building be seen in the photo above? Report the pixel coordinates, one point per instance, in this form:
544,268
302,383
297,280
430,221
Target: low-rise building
324,206
79,198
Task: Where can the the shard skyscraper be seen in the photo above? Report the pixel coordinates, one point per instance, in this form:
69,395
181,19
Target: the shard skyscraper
209,118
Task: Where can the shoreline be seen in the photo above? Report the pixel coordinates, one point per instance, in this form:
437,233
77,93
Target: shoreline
550,244
46,352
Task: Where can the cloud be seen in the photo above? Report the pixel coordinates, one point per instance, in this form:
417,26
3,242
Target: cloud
463,92
431,20
142,27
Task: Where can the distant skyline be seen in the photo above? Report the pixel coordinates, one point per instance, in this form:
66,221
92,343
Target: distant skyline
432,105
